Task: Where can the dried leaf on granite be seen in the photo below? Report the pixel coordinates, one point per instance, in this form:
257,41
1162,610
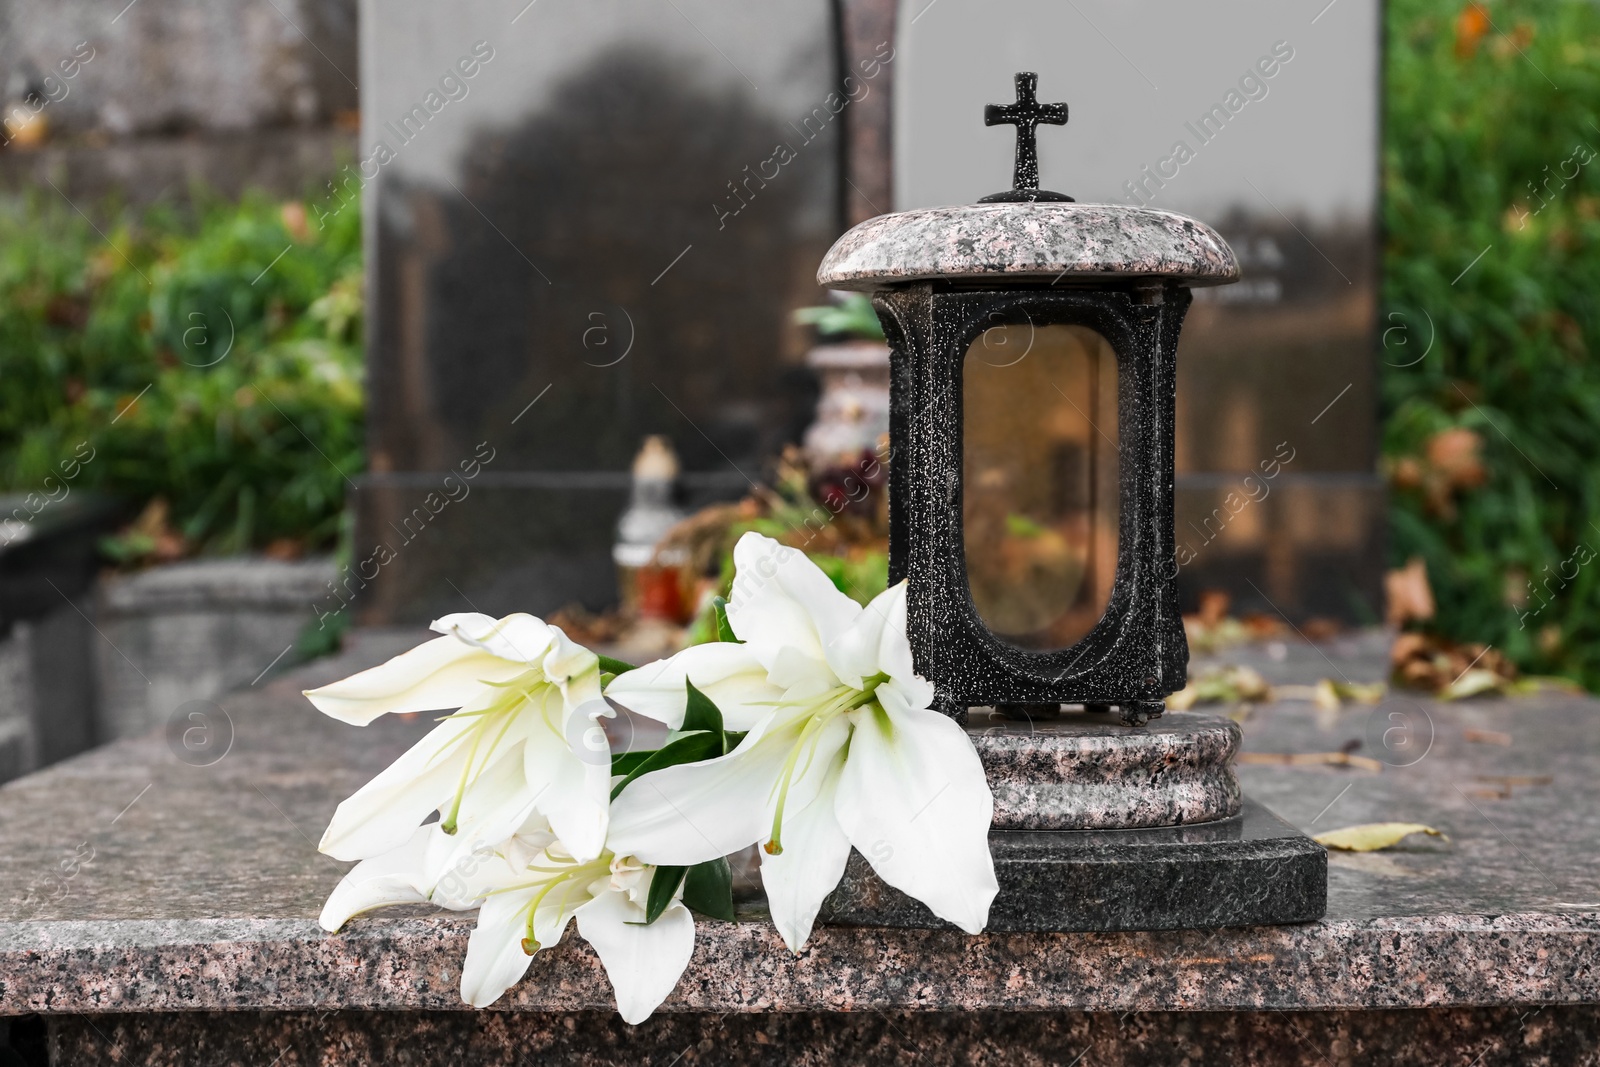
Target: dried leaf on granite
1373,836
1222,685
1449,670
1501,785
1473,682
1487,737
1212,629
1332,694
1311,759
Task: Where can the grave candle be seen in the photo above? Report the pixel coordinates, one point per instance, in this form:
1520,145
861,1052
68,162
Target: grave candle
1033,374
1033,343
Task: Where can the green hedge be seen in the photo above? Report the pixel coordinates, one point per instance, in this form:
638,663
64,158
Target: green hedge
211,359
1485,105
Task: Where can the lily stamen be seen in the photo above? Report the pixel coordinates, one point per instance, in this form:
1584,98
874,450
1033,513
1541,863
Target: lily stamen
836,702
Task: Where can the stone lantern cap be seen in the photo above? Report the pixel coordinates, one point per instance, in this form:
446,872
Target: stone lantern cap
1041,241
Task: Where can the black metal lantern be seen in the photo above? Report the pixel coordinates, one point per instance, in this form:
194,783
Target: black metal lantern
1031,488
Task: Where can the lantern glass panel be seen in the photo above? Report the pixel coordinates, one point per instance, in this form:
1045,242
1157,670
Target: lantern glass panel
1040,481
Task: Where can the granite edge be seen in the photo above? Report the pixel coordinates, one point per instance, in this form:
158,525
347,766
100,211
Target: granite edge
59,967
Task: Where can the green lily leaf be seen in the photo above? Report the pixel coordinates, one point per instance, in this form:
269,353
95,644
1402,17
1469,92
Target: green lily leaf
691,748
708,889
719,608
625,762
613,667
663,884
701,713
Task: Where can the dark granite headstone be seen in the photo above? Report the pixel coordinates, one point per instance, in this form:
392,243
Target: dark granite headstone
587,224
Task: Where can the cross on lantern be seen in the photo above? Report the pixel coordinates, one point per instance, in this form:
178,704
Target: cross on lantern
1026,114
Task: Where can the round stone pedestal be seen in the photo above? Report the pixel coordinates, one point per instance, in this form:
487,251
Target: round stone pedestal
1085,771
1100,826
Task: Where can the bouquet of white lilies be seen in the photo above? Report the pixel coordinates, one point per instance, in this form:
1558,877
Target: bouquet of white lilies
805,730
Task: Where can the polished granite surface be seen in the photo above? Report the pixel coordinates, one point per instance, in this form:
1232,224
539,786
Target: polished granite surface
138,881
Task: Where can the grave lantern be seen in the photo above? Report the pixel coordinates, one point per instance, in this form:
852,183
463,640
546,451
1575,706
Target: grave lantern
1033,372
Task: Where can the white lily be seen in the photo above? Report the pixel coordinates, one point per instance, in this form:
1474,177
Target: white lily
527,889
541,895
432,867
842,750
526,738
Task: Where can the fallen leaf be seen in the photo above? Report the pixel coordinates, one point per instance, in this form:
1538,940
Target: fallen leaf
1330,695
1451,671
1213,606
1222,685
1408,594
1472,682
1511,781
1487,737
1372,836
1306,759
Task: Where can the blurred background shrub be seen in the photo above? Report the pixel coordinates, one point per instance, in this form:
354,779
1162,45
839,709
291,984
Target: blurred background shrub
208,361
1492,439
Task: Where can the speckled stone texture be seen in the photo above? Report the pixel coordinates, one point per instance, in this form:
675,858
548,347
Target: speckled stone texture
1004,243
1245,871
133,882
1089,772
1479,1037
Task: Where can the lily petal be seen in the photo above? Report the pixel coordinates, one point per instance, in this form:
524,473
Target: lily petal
495,960
404,875
384,813
568,663
571,787
498,801
728,673
856,653
442,674
809,867
643,962
700,811
517,638
783,603
914,801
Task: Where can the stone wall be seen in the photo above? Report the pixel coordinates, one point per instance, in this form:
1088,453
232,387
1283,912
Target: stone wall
192,631
149,98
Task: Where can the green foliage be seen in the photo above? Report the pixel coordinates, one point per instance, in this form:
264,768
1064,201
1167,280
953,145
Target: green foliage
199,364
690,748
719,611
708,889
851,317
1492,132
861,577
700,711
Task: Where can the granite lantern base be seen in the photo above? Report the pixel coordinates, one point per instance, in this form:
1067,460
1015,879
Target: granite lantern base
1101,826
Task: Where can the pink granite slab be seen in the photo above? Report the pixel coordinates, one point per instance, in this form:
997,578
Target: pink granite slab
131,881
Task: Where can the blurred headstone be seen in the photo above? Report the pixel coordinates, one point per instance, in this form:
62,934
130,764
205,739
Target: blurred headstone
587,223
1262,120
